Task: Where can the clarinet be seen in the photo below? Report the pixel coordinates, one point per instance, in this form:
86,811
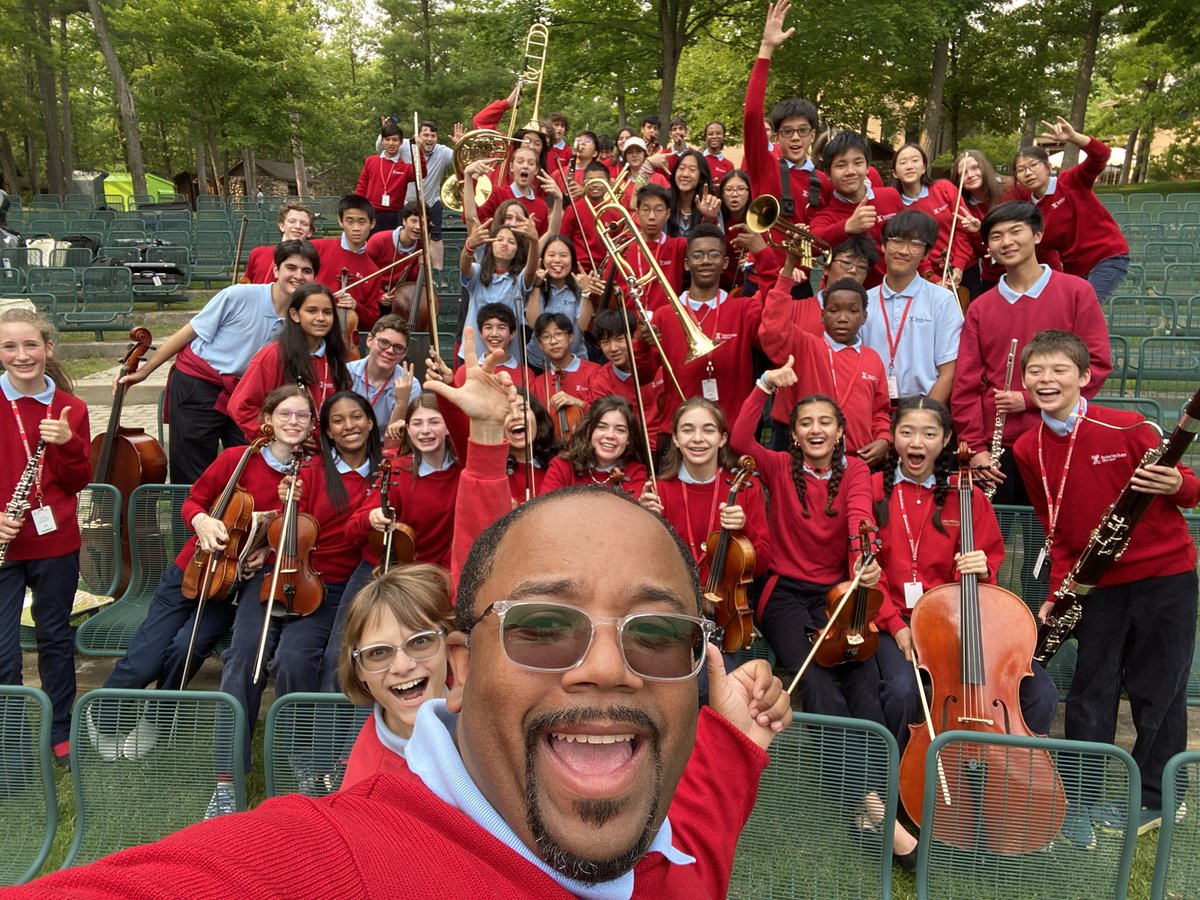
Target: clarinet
18,505
1110,539
997,448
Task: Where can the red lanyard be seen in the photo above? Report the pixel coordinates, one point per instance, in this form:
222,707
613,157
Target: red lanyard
1054,507
893,346
698,551
388,177
323,381
839,396
387,382
37,478
913,545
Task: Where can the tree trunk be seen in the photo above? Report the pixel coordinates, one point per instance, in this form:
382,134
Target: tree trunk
250,175
931,126
31,169
68,130
298,156
1129,148
43,53
201,169
1143,152
672,27
164,146
217,170
1083,83
426,43
125,106
8,165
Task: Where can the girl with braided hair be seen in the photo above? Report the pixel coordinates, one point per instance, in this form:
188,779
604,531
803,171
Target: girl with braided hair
920,537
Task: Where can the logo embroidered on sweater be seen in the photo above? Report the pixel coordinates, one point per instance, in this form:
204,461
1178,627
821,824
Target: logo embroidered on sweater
1099,458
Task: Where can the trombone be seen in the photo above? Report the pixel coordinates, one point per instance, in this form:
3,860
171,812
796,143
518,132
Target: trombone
762,216
619,236
488,143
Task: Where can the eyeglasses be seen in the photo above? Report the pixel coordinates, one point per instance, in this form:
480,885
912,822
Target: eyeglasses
386,346
796,131
1030,169
849,266
736,189
379,657
553,337
556,637
701,255
899,243
302,417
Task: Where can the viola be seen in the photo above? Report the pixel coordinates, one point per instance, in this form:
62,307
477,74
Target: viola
210,576
397,545
730,569
127,457
853,635
293,536
976,681
348,322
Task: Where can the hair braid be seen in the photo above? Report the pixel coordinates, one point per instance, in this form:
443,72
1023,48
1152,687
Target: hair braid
889,484
942,467
837,468
799,478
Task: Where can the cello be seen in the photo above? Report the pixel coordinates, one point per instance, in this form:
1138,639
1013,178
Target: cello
730,570
397,545
853,635
976,682
125,457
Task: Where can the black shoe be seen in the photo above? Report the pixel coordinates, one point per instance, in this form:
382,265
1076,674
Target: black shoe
907,861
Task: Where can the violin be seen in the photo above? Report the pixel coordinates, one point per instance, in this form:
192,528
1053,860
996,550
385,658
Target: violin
397,545
854,635
210,576
566,417
731,568
125,457
348,320
976,683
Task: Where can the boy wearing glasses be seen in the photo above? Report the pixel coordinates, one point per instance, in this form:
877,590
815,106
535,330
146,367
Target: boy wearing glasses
914,324
1030,297
383,377
726,375
567,380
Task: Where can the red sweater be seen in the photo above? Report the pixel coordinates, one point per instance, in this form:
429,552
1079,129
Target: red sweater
814,549
935,551
260,266
991,323
66,470
537,208
670,253
336,556
1078,225
258,478
556,157
425,504
263,376
560,474
579,227
829,223
694,516
344,845
357,265
734,325
607,382
719,168
382,249
381,176
490,115
580,383
1102,463
855,378
940,203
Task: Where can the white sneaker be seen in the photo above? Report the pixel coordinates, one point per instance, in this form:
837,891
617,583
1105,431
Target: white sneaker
107,746
141,741
223,802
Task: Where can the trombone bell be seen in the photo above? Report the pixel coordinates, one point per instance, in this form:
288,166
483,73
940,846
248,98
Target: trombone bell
763,217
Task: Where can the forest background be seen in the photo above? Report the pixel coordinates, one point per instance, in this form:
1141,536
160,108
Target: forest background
196,85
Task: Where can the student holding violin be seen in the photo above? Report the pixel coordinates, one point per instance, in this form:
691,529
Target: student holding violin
602,450
820,496
557,289
158,649
921,549
308,352
566,386
325,491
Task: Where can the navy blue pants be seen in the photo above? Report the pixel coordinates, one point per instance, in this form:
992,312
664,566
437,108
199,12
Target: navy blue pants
53,582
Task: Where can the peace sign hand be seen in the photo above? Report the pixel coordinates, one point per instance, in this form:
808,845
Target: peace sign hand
708,205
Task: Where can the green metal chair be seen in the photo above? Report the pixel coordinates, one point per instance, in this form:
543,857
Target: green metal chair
1166,371
1100,783
1138,199
99,515
803,837
1182,279
1149,408
156,535
212,256
307,742
1141,316
140,797
106,301
28,806
1177,866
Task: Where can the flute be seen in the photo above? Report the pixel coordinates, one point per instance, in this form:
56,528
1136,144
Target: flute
997,448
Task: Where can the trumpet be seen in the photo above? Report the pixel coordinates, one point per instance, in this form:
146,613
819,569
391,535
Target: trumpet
619,236
762,216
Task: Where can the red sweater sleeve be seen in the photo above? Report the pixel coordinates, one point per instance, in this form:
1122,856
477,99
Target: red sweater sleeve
364,179
966,393
490,115
260,379
756,529
483,497
760,165
829,222
69,464
1085,174
744,436
777,331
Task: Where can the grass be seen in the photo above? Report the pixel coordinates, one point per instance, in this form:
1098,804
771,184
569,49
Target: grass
1150,187
86,365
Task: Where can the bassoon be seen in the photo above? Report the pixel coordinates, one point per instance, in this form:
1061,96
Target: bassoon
1110,538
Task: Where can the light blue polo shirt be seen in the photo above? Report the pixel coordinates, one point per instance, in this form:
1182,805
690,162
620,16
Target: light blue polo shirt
382,399
509,289
234,325
929,338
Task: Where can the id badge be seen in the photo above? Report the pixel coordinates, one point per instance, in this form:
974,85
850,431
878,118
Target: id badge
708,388
387,199
893,388
1039,565
43,520
912,593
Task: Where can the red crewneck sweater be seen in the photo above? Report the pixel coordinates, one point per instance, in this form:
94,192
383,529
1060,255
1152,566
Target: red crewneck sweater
691,510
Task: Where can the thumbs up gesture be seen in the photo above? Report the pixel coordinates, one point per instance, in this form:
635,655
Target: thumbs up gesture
56,431
862,219
784,376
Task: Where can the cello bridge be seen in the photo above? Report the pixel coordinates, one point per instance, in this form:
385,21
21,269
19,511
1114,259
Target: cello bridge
975,720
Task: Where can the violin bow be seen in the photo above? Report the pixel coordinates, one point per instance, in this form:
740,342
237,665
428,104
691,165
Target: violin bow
962,176
825,631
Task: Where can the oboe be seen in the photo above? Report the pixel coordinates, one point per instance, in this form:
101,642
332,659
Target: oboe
997,448
18,505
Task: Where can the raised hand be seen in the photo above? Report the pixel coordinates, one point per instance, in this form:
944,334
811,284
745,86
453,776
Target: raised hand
784,376
1061,130
486,395
774,33
708,205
